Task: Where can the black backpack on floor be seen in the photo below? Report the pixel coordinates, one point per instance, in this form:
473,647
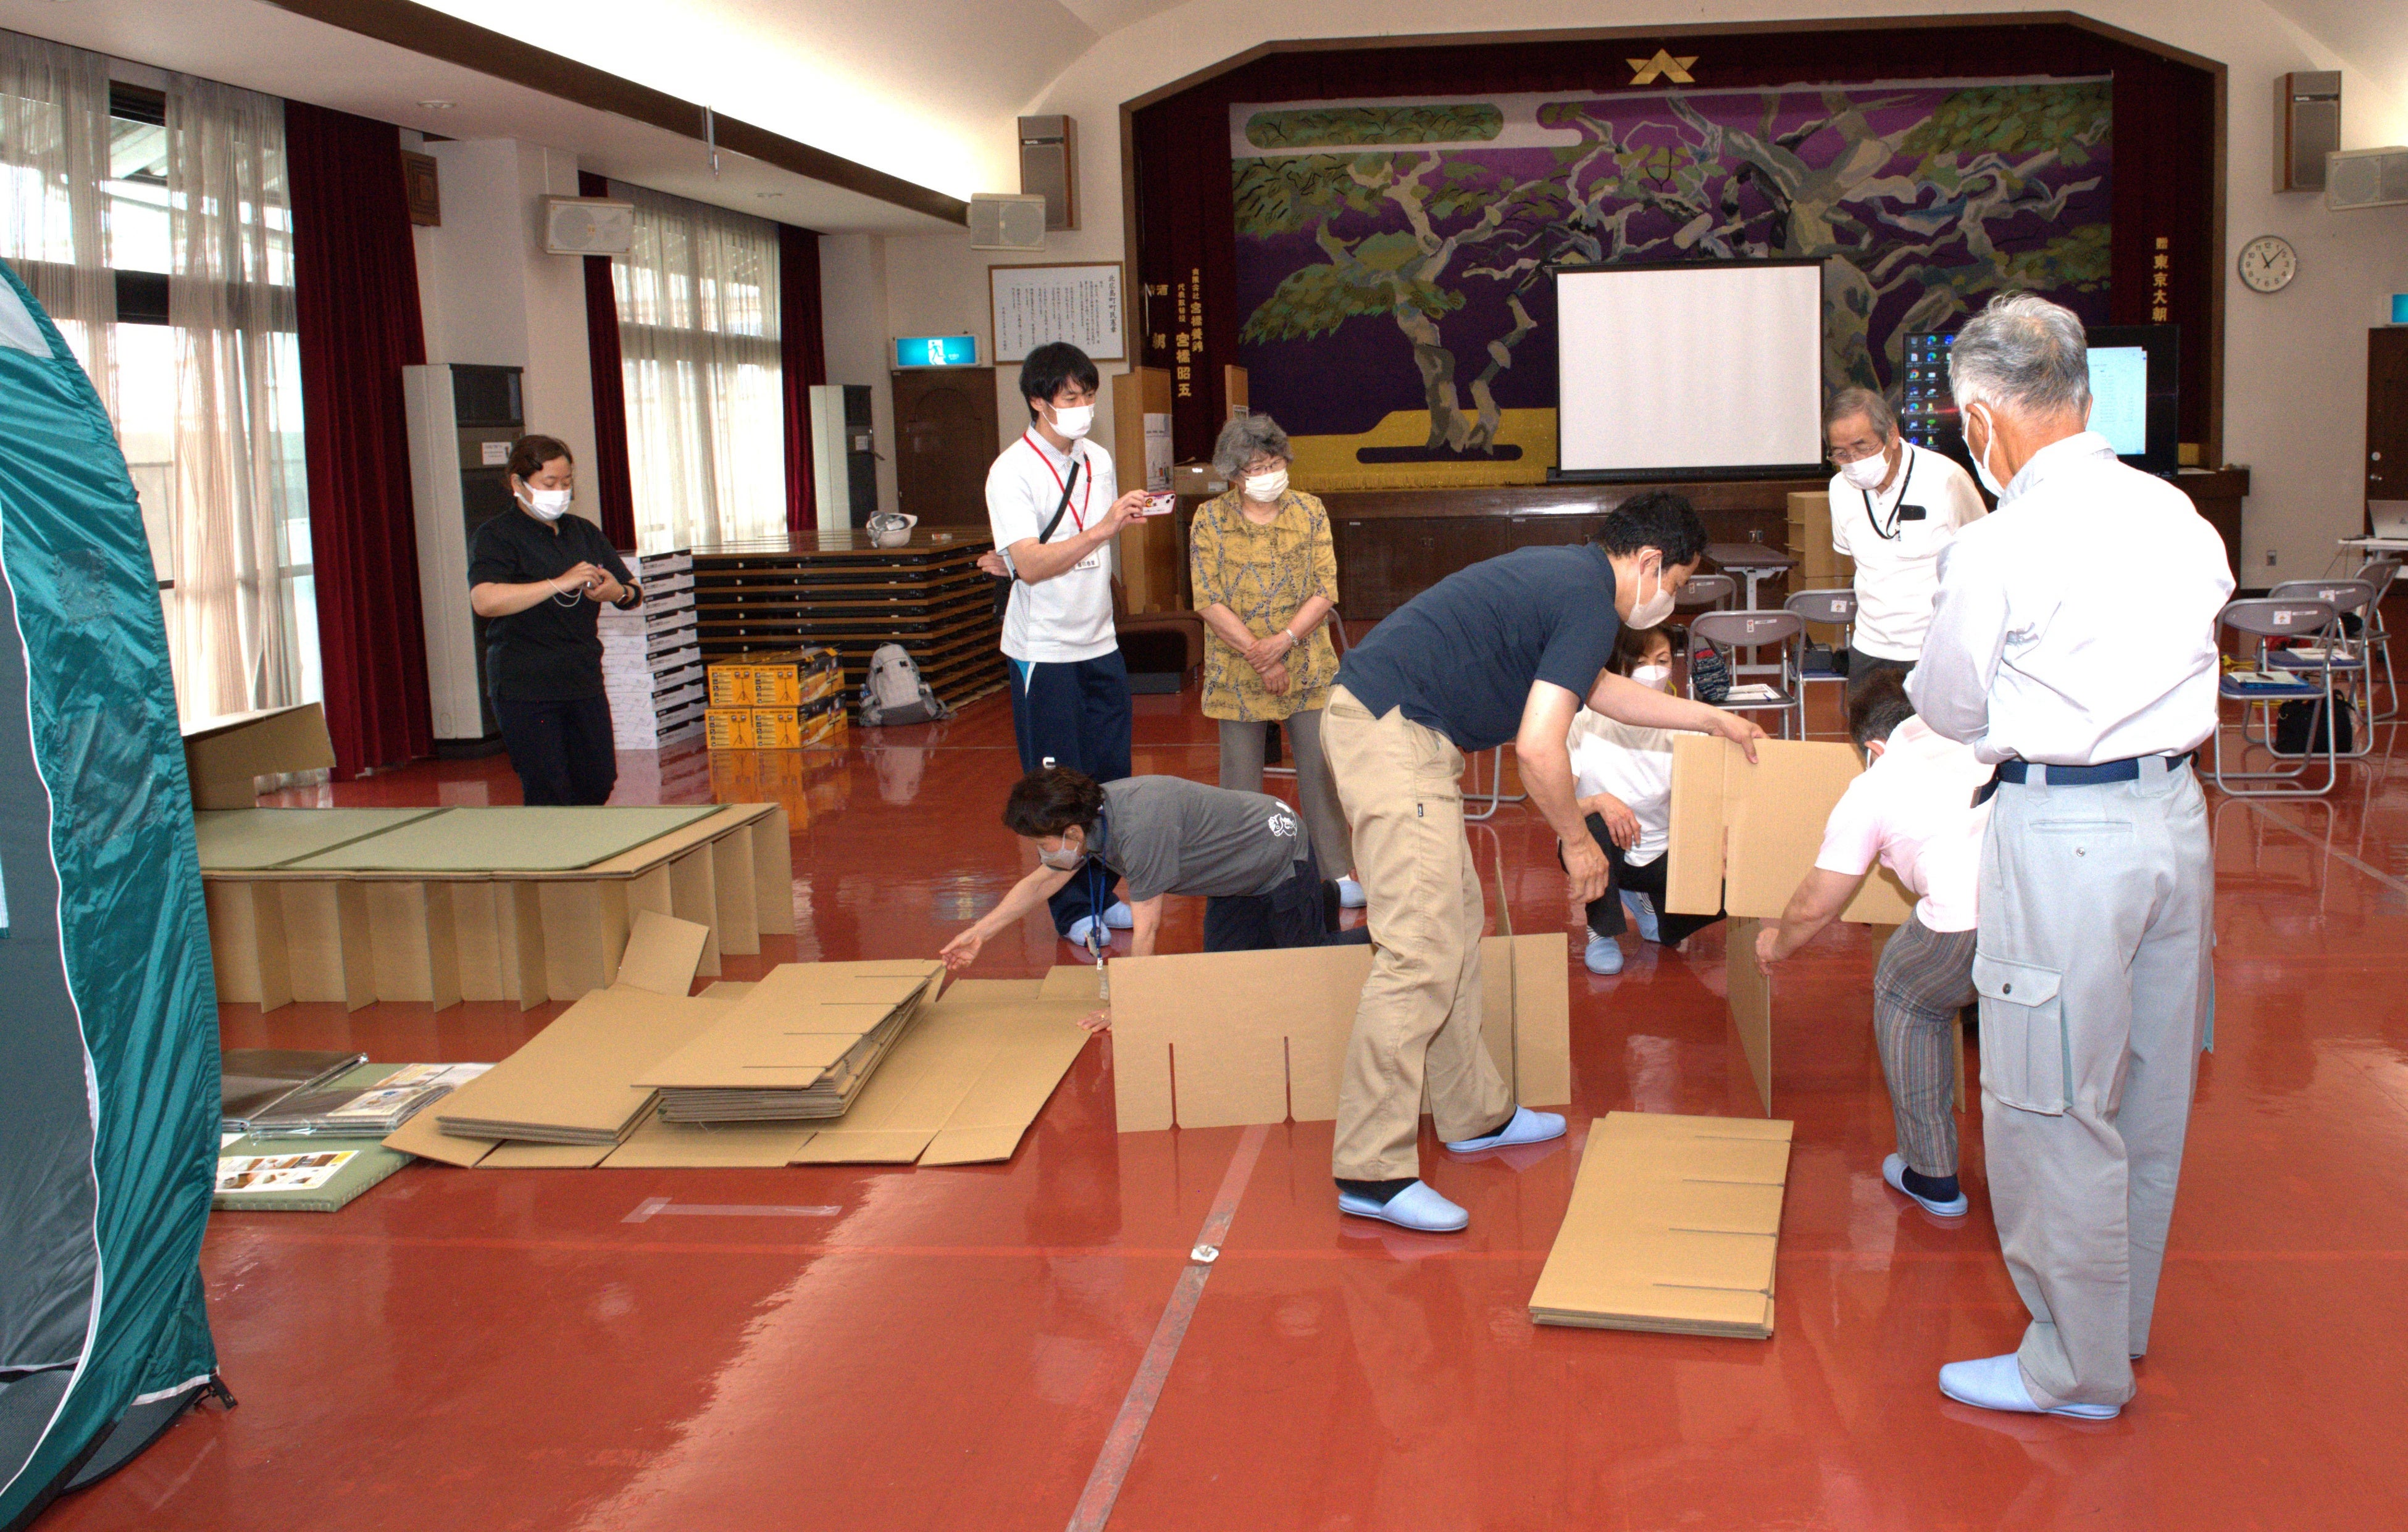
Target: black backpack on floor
2300,728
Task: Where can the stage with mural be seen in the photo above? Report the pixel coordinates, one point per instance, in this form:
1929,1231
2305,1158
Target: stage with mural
1394,256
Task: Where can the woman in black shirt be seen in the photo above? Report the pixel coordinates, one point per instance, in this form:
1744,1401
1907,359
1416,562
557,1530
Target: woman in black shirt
538,577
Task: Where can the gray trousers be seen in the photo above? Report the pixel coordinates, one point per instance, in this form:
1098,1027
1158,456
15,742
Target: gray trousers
2098,909
1924,979
1316,791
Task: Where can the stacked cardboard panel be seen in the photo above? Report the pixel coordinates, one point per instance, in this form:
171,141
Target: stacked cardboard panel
1819,567
1675,1226
651,658
798,1047
832,588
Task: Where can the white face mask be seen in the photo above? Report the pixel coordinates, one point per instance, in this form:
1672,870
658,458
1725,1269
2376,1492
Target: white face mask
1267,487
549,504
1867,473
1074,421
1069,858
1653,676
1989,439
1648,613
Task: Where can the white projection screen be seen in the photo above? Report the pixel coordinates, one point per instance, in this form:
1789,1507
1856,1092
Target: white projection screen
1709,367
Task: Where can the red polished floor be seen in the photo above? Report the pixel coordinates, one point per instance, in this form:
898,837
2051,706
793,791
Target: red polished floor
504,1349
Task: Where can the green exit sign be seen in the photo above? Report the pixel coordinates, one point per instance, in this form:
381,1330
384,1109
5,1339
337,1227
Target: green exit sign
935,351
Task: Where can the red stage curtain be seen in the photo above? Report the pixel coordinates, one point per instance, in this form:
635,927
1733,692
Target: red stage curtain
612,481
355,294
802,363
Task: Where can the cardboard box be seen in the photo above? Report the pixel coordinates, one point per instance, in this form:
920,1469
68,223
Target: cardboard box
225,757
798,728
776,678
1212,1039
1675,1226
727,729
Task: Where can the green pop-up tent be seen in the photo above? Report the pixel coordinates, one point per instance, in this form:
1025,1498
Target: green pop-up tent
109,1053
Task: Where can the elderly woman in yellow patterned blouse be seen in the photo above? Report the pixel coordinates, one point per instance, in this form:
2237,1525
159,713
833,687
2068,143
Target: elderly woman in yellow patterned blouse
1265,579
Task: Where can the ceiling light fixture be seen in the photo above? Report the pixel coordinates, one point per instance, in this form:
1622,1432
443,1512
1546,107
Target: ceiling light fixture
436,106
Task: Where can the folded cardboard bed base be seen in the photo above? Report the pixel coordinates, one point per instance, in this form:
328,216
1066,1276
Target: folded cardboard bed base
800,1045
1213,1040
1742,838
963,1077
357,934
1675,1226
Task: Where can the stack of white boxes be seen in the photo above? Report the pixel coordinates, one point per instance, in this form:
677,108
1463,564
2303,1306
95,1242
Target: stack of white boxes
652,660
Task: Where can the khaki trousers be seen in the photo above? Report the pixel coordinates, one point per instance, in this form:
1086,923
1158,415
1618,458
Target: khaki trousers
1418,1024
2098,908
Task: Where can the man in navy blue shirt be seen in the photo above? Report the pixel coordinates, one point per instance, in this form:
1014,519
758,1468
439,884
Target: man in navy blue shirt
1506,650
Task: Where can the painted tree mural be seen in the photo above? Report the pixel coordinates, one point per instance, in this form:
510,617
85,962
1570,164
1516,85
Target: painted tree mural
1920,202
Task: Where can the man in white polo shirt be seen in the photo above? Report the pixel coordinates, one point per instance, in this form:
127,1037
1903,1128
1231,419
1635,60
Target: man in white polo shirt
1913,811
1894,506
1053,507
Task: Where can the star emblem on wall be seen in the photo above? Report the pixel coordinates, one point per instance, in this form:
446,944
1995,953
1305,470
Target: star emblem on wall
1663,65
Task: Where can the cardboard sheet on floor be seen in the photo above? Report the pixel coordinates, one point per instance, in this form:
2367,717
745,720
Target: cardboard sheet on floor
225,757
1215,1040
424,1137
575,1081
1675,1226
769,1057
1743,836
961,1087
250,839
509,839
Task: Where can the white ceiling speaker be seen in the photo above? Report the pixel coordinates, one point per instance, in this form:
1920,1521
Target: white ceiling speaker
2367,178
588,226
998,222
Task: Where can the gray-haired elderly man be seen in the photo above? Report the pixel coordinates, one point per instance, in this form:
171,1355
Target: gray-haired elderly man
2089,682
1894,506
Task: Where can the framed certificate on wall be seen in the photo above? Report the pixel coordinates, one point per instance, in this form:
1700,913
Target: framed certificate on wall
1036,306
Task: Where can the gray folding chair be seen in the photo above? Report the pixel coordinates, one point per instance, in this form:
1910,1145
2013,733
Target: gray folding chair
2262,619
2348,660
1829,608
1720,591
2379,573
1759,630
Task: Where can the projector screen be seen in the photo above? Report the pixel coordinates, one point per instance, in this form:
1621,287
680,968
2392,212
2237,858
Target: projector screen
1706,367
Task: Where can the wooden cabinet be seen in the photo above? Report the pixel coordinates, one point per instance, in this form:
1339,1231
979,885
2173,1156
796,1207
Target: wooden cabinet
2386,422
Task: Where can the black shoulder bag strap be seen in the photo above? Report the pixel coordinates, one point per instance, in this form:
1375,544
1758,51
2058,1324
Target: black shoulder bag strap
1003,584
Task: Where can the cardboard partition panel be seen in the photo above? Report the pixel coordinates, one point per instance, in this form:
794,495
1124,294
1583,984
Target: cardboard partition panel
1751,1005
662,954
225,757
1675,1226
1217,1040
1743,836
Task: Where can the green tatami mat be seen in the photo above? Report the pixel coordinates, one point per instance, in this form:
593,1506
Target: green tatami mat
506,840
248,839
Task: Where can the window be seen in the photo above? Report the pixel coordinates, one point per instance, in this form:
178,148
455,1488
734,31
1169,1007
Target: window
697,298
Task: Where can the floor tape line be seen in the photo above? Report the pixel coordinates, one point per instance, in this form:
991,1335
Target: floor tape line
1154,1370
2268,814
661,1207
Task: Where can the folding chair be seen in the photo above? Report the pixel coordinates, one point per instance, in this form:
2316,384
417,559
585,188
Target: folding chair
2350,659
1831,608
1784,630
2379,573
2262,619
1706,590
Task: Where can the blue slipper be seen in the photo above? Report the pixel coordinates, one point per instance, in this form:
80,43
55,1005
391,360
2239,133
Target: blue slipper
1118,917
1642,910
1414,1207
1604,955
1524,1128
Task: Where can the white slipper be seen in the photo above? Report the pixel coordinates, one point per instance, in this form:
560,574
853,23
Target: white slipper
1415,1208
1997,1383
1524,1128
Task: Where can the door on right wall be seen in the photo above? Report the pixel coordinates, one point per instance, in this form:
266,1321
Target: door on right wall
945,434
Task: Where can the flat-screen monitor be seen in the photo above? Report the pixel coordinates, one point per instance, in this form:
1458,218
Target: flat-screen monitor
2134,402
1695,369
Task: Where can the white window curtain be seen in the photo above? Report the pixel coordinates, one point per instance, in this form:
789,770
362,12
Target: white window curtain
241,509
53,213
697,296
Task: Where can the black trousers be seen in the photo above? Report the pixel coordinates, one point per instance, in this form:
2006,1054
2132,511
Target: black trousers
1862,667
1075,715
1605,917
561,750
1300,912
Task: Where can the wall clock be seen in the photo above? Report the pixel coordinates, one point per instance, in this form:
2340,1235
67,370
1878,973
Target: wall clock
2268,264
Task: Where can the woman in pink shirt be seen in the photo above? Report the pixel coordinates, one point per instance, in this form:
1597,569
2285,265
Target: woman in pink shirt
1913,811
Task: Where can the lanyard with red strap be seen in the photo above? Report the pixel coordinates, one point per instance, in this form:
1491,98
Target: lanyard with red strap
1086,490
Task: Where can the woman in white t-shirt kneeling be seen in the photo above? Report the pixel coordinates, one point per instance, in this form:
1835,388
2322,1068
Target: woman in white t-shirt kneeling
1623,775
1914,810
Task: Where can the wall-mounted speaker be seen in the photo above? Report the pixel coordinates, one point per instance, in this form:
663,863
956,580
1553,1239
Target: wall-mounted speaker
1049,167
2367,178
2307,127
1000,222
588,226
